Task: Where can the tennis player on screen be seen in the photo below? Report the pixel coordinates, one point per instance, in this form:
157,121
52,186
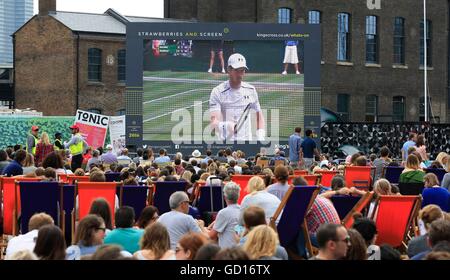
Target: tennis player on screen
230,104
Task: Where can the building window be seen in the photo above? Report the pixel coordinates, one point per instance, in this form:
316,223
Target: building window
343,105
95,110
399,40
371,39
94,65
429,49
314,17
284,15
120,112
371,108
121,65
344,37
398,108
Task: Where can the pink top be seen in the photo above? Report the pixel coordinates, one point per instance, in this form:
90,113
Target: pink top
422,150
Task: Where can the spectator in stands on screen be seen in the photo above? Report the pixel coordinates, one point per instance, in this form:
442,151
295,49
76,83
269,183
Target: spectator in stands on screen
426,216
177,221
333,241
434,194
101,208
188,245
258,196
163,158
124,156
358,249
138,157
55,161
438,231
280,188
27,241
368,230
149,215
14,168
412,172
124,233
222,229
88,237
50,243
261,243
94,160
109,157
155,244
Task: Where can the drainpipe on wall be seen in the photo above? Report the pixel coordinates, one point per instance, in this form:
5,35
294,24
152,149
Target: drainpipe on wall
78,73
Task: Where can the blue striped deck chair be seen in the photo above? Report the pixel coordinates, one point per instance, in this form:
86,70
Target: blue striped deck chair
344,204
162,193
392,173
293,208
112,176
37,197
133,196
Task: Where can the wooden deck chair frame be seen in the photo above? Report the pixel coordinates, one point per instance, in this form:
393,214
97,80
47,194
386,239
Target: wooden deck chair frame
73,214
363,202
278,162
262,162
411,223
280,208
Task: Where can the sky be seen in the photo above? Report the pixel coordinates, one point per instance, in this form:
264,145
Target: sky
144,8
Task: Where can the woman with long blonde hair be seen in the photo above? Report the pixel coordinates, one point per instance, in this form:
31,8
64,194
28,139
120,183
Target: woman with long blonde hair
43,148
261,243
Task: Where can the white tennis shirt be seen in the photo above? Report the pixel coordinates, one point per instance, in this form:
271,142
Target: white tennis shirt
232,103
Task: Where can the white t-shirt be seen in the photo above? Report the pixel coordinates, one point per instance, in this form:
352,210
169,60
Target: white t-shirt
232,103
226,220
22,242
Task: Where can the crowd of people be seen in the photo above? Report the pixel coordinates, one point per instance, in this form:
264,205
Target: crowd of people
240,231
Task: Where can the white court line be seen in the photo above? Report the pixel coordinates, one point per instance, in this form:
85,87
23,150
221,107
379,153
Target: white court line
168,96
166,114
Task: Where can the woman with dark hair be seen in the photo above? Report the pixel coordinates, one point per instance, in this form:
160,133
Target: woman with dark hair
100,207
55,161
149,215
89,235
50,243
421,148
280,188
358,249
155,244
207,252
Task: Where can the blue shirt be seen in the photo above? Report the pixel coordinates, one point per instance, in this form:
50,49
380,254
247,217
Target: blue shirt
162,159
291,43
308,145
13,169
294,147
438,196
405,148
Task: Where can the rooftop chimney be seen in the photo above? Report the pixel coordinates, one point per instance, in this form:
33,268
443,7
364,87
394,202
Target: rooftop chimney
46,6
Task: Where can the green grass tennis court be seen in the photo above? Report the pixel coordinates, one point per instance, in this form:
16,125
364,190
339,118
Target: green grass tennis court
166,92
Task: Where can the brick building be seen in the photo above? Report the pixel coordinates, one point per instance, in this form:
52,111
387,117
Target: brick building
372,59
66,60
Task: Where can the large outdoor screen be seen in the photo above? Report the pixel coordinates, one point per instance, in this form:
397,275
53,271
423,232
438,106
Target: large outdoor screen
194,86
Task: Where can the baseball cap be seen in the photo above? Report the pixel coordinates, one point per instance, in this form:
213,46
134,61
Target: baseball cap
35,128
74,127
237,60
109,147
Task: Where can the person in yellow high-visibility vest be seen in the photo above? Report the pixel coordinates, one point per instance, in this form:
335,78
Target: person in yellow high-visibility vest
77,145
32,140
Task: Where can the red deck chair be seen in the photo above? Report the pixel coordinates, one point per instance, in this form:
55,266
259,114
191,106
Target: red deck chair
313,180
358,208
394,217
358,176
63,178
242,181
300,172
10,190
88,192
71,179
327,176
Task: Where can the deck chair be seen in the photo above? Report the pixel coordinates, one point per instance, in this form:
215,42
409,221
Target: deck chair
279,162
344,204
326,177
358,176
242,181
10,211
263,162
36,197
133,196
62,177
392,173
394,217
68,208
72,179
293,209
162,193
300,172
313,180
89,191
112,176
361,203
411,188
124,162
439,172
210,201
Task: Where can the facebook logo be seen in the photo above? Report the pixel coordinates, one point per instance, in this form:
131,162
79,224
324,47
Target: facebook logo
374,4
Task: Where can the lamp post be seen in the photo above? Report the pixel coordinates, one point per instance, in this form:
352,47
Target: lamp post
425,57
